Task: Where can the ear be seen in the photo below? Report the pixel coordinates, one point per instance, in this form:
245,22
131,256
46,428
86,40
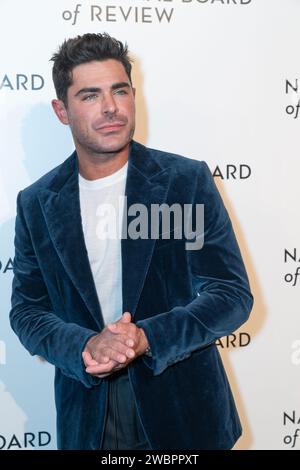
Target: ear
60,111
133,91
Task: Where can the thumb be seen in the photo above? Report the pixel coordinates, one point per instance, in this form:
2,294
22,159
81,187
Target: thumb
113,327
126,317
88,360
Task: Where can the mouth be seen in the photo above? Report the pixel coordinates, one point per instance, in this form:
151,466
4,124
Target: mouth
111,127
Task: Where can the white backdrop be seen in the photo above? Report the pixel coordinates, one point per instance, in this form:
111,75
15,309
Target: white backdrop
216,80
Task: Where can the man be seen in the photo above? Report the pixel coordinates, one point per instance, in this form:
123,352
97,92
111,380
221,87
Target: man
130,322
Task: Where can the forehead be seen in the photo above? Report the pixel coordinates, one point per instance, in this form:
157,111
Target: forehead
97,73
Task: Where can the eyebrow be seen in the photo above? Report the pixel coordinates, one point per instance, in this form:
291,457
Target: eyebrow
93,89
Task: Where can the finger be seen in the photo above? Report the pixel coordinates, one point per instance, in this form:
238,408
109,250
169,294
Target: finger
125,341
121,350
88,359
130,353
117,344
101,376
115,368
114,328
126,317
97,371
105,369
115,355
100,368
125,329
129,339
130,343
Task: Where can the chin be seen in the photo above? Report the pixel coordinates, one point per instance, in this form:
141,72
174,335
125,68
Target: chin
113,146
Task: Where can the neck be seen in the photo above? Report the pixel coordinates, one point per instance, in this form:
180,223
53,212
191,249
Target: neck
92,167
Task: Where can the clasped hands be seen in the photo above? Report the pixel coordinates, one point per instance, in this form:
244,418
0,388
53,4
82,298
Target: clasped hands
114,348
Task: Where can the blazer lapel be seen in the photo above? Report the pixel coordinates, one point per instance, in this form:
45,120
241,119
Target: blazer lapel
61,207
147,183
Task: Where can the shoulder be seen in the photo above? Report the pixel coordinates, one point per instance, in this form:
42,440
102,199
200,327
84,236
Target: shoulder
47,181
180,164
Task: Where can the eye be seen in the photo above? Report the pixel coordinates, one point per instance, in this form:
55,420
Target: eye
89,97
121,91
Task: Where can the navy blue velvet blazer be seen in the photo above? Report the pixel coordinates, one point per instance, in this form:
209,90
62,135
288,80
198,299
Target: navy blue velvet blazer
183,299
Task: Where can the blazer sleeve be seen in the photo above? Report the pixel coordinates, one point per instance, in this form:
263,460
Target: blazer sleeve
223,300
39,329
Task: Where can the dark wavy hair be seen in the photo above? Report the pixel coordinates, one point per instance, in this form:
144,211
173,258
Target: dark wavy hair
82,49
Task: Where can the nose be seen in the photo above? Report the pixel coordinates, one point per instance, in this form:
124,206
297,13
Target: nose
109,105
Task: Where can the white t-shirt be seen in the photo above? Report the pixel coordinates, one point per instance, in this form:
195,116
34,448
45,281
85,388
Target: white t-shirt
102,204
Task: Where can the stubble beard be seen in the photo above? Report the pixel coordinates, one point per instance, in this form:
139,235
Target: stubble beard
91,147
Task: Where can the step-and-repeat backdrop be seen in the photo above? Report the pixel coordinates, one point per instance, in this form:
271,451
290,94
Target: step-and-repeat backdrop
217,80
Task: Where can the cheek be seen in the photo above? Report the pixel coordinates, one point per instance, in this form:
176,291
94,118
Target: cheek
80,120
131,112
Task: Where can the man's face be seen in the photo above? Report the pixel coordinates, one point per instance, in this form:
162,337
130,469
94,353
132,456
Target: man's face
101,107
